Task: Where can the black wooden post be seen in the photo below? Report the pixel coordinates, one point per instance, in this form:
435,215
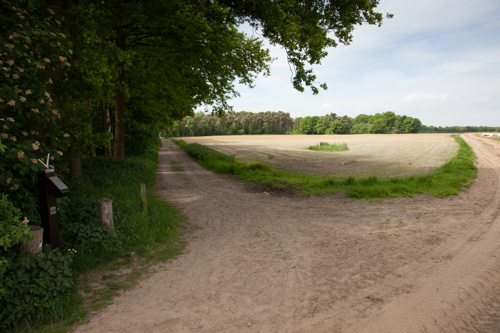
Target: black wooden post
50,187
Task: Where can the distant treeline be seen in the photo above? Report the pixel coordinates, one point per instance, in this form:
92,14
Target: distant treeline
202,124
270,122
387,122
458,129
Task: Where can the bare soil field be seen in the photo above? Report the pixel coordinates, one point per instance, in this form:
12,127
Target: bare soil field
370,154
259,262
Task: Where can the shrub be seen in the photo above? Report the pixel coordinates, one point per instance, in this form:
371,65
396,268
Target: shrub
324,146
29,123
40,288
12,230
28,283
34,285
135,230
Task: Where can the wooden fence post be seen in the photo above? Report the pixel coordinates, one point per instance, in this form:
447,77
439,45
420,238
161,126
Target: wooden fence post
143,197
106,213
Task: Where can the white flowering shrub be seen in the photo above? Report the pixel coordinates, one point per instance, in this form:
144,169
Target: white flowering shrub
33,53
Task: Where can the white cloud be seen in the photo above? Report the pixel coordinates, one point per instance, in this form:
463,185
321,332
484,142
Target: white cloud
417,97
436,60
462,66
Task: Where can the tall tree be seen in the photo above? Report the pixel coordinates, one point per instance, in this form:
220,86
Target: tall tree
199,42
148,63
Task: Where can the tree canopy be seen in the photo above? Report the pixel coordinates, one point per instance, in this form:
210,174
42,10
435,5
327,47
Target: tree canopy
270,122
91,77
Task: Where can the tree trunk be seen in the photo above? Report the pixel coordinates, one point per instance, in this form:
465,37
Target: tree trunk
106,117
119,143
75,165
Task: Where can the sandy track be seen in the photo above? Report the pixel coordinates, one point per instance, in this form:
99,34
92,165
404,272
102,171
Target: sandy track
262,263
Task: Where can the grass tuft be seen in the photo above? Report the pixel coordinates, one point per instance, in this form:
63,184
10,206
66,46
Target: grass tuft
324,146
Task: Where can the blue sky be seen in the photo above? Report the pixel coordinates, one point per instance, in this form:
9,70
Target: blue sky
436,60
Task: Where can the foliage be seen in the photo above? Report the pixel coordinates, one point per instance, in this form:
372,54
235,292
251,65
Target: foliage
449,179
75,72
82,232
31,45
166,64
325,146
135,230
34,284
280,123
459,129
30,285
387,122
232,123
306,29
12,230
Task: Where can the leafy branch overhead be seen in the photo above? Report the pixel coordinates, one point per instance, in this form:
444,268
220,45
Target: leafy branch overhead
121,69
306,28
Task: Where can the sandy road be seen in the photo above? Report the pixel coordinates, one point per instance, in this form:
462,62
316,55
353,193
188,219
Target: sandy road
258,262
465,290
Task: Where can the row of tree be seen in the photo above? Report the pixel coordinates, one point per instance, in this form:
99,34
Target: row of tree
280,122
88,77
380,123
202,124
458,129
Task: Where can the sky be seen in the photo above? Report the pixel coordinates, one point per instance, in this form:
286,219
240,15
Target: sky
436,60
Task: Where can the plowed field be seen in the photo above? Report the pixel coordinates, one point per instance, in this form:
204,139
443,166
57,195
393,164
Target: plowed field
378,155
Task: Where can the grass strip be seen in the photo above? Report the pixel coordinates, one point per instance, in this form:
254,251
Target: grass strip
446,180
324,146
106,264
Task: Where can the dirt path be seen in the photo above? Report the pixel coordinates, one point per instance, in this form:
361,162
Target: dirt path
257,262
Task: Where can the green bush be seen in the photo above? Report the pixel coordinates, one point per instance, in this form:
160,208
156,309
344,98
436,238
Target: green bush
324,146
29,284
26,98
135,230
34,285
40,289
12,230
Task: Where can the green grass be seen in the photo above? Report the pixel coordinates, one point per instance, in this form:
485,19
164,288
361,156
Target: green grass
449,179
324,146
105,264
176,166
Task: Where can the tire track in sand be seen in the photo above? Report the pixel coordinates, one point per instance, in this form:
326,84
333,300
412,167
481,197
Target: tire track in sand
463,295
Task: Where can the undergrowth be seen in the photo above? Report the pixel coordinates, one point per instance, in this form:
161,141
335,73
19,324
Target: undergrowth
139,238
446,180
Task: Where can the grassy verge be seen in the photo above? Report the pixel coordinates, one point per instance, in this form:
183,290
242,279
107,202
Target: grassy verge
106,264
324,146
446,180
